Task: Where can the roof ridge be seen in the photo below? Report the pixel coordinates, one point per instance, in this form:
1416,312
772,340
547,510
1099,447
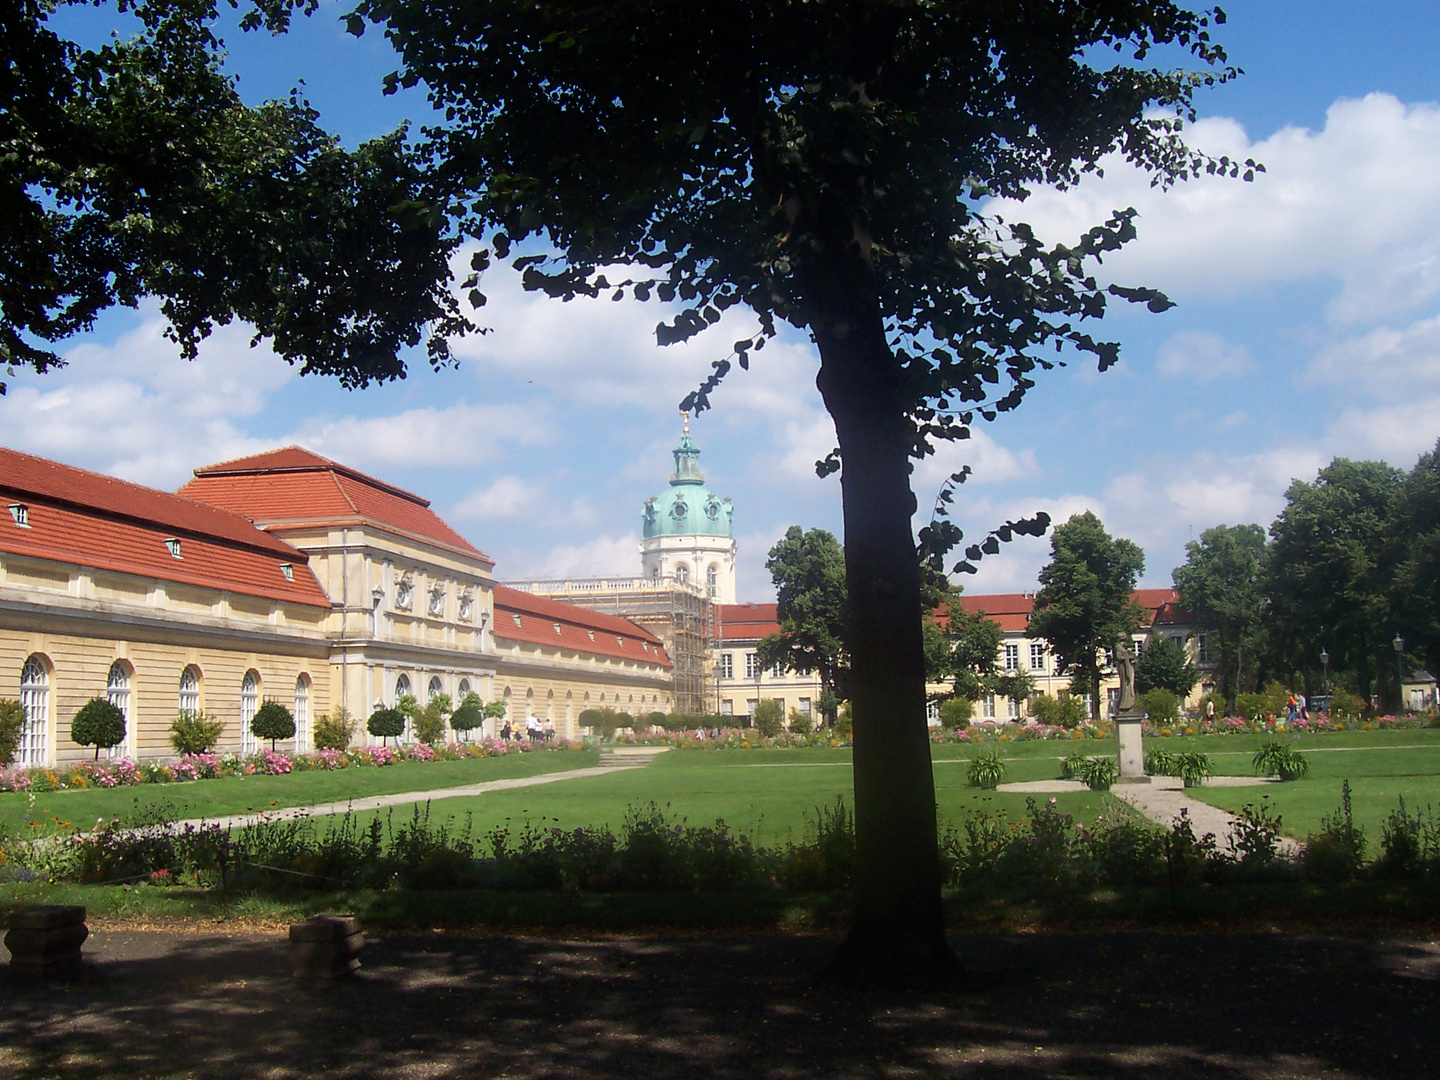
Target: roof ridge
320,463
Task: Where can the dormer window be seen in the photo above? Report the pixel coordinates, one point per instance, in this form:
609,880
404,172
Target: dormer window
557,629
21,513
172,545
619,641
287,571
591,633
516,618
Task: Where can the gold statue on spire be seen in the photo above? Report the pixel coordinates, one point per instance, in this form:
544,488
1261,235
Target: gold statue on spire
685,421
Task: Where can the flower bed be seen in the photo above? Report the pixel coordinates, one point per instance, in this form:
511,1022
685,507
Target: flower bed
123,772
728,739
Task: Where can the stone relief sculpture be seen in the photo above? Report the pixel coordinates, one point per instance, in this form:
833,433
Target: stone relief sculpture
437,599
404,590
466,604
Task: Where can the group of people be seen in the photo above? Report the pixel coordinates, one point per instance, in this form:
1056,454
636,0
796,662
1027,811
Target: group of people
534,730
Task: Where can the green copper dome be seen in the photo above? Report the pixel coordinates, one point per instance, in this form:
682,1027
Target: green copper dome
688,508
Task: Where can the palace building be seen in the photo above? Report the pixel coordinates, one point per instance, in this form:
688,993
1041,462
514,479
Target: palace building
281,576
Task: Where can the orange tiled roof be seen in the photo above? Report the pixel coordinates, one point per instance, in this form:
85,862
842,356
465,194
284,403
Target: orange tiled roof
522,616
1012,610
88,519
293,488
746,622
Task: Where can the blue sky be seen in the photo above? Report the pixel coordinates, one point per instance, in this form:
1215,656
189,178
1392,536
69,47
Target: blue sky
1307,326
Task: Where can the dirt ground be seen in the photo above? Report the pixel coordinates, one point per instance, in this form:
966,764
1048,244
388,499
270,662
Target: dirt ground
1122,1005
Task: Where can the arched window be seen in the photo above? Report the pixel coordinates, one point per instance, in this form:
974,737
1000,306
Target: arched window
712,579
402,687
190,690
249,704
463,689
682,573
117,692
435,689
302,714
35,698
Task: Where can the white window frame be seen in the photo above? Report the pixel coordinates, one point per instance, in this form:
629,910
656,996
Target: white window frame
727,665
1037,657
804,706
777,670
117,692
302,714
249,706
752,665
188,700
1012,656
35,698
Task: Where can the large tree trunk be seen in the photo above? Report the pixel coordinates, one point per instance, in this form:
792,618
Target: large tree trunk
898,933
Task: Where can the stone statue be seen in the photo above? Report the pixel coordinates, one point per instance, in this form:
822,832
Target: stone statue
1125,664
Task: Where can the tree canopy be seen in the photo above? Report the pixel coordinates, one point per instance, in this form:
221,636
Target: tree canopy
1163,665
808,569
1222,584
1084,604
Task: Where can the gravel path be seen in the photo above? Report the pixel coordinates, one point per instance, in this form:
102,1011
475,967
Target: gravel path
1165,797
1119,1006
402,798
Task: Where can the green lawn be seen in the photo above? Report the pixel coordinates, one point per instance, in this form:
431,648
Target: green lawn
239,794
1380,765
765,794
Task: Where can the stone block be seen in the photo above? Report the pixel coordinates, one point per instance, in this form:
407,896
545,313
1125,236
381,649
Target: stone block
325,947
46,940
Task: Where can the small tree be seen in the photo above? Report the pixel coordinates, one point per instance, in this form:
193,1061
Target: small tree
1163,663
273,721
12,723
430,721
469,716
769,718
802,723
386,723
591,718
956,712
334,730
195,733
1161,705
99,723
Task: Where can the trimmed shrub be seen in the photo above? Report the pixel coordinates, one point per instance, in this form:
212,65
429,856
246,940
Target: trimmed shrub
657,720
1065,710
195,733
12,723
1046,709
334,730
956,712
1252,707
677,722
769,718
1347,706
273,721
802,723
1161,705
386,723
100,724
469,716
430,720
590,718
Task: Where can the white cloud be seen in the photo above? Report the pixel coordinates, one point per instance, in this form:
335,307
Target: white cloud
1385,363
1356,201
459,435
507,497
1202,355
604,556
136,409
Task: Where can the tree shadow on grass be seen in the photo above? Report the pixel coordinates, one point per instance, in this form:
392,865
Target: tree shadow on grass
1126,1006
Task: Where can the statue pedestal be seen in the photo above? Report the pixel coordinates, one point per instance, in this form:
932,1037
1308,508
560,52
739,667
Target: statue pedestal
1132,754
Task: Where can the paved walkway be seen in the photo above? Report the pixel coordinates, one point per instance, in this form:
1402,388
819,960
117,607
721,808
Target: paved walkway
610,762
1163,798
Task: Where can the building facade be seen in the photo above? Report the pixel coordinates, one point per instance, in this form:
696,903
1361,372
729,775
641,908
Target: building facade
688,531
280,576
741,682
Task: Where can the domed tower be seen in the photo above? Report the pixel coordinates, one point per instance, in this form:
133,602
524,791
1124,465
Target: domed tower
689,531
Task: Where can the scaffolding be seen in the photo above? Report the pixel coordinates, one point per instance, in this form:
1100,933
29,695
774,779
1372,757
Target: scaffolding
678,612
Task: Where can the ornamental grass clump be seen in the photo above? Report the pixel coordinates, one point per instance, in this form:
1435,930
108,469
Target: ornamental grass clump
1194,768
1281,761
1072,763
1161,762
986,771
1100,773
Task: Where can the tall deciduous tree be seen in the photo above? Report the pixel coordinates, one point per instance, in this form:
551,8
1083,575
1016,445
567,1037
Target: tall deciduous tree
1417,593
808,569
1084,605
824,162
1222,585
1331,568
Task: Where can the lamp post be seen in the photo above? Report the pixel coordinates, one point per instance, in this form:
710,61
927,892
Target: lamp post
1399,645
1325,660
